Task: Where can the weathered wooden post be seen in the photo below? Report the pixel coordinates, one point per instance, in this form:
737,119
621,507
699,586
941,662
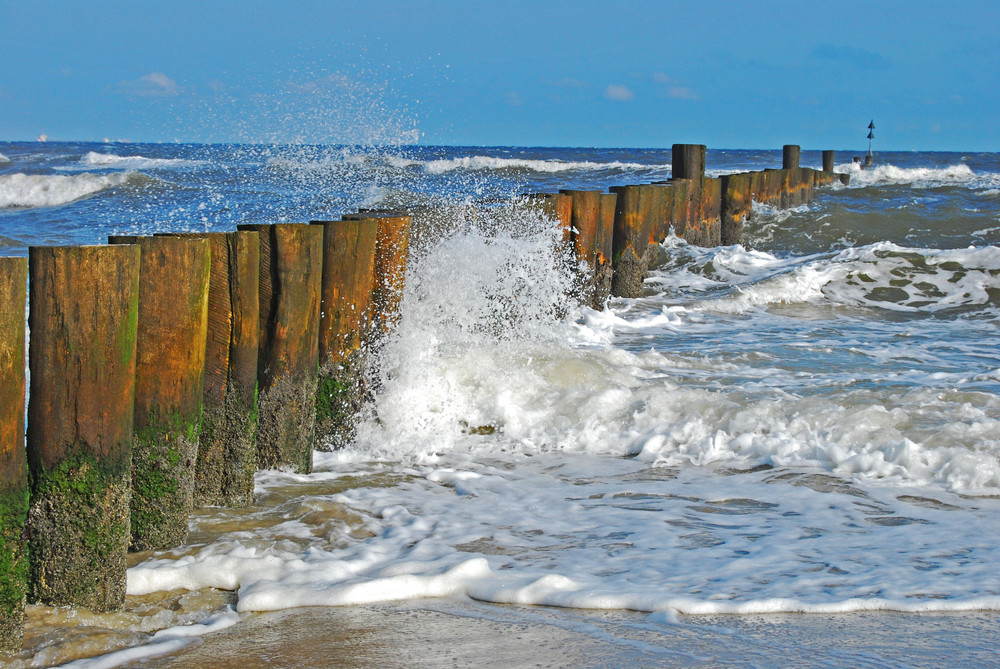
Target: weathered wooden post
772,186
593,224
84,306
708,221
635,209
662,215
291,275
687,161
227,448
828,161
345,313
13,463
169,366
736,206
790,156
392,246
687,172
558,207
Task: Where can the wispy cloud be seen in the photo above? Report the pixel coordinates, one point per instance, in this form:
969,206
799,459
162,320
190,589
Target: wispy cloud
569,82
618,93
513,98
152,85
682,93
860,58
671,87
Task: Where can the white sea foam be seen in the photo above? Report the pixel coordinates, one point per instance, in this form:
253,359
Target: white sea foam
494,163
881,175
4,159
880,275
49,190
531,458
164,642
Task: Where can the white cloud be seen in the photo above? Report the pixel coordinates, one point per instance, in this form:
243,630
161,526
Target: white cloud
513,98
152,85
682,93
618,93
568,82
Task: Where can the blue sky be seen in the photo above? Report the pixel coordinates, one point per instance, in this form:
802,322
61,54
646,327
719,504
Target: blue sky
612,74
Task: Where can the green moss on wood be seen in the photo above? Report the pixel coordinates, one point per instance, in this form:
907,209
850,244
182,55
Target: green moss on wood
126,338
13,567
340,396
163,460
79,520
227,454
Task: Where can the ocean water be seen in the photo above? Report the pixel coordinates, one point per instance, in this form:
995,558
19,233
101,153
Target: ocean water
805,423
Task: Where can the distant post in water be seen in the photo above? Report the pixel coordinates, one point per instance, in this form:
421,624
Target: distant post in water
345,314
13,463
227,446
688,161
291,274
84,306
170,364
828,161
790,157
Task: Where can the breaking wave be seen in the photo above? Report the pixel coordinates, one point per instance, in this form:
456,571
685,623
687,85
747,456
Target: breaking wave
51,190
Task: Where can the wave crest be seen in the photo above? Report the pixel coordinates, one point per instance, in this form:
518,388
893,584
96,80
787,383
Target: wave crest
93,159
51,190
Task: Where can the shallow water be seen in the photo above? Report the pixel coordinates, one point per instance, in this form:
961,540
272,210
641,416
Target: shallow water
805,426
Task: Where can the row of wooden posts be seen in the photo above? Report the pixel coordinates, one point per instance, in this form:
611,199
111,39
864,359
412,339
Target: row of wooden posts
166,370
613,233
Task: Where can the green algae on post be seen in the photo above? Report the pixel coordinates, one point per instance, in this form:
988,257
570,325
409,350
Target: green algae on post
345,314
227,446
13,463
290,281
170,363
80,418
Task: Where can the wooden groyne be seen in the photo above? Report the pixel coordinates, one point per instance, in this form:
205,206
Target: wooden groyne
706,211
166,370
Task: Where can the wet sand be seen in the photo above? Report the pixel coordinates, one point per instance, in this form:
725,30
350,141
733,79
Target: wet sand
443,633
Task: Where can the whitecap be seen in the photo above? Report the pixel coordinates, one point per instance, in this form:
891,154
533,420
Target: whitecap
494,163
50,190
92,160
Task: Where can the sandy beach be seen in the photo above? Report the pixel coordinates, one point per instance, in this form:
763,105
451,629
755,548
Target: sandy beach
445,633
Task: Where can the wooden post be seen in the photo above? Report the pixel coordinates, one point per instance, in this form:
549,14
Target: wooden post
828,161
709,219
790,157
593,224
291,274
688,161
635,209
83,318
345,313
558,207
169,368
227,448
392,246
736,206
13,463
662,213
772,186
